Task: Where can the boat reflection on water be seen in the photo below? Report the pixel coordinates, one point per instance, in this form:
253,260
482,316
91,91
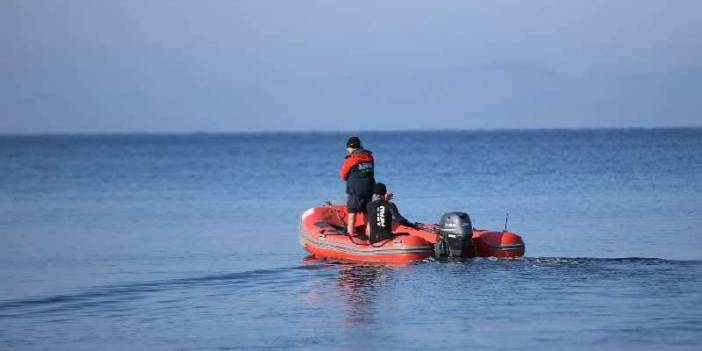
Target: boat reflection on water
360,286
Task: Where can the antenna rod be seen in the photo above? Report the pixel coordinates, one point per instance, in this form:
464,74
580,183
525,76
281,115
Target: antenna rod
506,219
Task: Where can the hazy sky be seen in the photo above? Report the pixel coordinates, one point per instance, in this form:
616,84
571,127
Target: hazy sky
178,66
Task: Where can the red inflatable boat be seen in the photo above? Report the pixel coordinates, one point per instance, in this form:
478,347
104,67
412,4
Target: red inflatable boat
322,233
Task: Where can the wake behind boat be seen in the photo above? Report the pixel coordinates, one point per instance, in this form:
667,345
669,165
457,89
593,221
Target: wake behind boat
323,234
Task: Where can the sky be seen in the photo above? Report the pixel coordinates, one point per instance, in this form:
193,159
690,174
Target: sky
244,66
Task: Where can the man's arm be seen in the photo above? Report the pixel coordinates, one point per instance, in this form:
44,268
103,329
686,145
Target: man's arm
346,167
397,216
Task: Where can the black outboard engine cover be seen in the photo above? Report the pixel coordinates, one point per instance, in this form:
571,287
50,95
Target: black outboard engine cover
457,231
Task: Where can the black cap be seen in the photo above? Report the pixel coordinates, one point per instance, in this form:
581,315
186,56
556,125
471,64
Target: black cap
380,189
353,142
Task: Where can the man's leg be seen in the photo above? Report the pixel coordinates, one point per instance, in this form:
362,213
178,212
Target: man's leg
352,205
350,222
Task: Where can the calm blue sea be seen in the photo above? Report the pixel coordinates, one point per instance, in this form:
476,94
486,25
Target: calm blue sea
163,242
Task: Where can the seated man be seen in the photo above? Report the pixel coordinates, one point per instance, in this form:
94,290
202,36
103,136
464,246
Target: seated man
381,212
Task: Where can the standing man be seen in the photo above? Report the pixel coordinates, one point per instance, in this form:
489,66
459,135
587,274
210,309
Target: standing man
357,171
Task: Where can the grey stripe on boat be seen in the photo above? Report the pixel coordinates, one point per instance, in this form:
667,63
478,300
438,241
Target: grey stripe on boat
374,251
515,247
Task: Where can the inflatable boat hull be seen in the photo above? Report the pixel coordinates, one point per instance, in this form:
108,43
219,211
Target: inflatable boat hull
322,234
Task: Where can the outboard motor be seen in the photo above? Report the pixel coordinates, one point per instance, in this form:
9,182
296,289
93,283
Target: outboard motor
457,232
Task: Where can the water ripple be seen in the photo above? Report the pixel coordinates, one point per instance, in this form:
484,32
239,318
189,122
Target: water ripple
104,296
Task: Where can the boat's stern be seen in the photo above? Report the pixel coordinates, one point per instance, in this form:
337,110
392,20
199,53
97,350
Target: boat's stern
498,244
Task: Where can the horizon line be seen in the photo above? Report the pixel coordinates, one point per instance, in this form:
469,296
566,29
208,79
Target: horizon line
330,131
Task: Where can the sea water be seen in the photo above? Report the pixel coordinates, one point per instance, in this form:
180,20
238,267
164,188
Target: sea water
128,242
